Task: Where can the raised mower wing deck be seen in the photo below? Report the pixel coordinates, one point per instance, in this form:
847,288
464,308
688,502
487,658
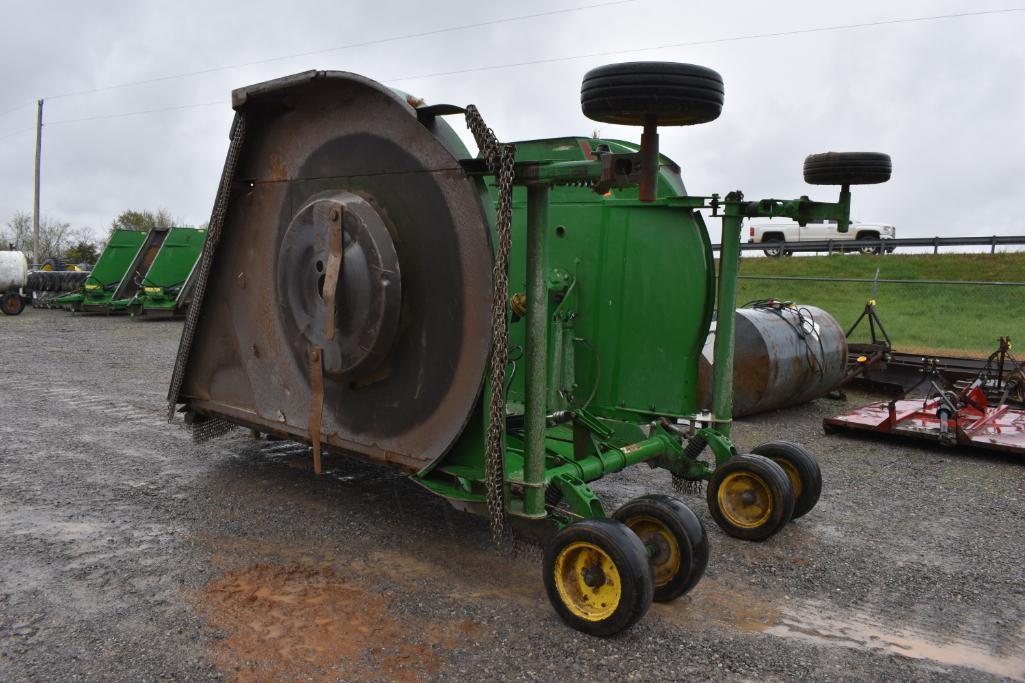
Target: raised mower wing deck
327,155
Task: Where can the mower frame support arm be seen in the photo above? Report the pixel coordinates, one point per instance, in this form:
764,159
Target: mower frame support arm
536,369
735,211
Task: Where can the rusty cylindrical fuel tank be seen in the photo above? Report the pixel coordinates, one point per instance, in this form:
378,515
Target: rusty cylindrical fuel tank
784,356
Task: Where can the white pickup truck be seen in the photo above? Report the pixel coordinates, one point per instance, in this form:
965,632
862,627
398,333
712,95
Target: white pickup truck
772,235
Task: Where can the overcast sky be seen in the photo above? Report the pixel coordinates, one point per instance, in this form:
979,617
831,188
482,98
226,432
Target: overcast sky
945,98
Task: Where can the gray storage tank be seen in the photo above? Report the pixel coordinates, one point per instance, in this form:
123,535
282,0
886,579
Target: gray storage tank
784,356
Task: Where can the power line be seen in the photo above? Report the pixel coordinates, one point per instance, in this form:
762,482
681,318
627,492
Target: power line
137,113
119,115
549,60
17,132
710,41
349,46
14,109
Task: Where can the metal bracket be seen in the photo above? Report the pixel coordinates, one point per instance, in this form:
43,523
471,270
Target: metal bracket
334,265
316,403
579,496
592,424
722,448
427,114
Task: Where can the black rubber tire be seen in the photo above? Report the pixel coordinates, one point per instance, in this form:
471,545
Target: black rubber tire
12,304
53,265
688,534
775,482
628,554
847,168
676,94
774,252
869,251
804,466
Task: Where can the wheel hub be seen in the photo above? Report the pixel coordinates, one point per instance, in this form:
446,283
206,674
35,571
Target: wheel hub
745,500
663,550
587,581
367,295
594,577
658,548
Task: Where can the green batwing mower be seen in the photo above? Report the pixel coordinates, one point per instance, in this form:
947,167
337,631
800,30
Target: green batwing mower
504,328
98,289
162,292
131,283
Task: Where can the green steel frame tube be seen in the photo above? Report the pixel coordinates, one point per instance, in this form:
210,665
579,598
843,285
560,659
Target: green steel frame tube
536,351
729,267
596,466
649,160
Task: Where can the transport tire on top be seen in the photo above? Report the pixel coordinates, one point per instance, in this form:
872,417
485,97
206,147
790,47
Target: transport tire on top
847,168
675,94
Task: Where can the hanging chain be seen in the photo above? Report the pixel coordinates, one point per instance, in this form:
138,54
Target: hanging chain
499,159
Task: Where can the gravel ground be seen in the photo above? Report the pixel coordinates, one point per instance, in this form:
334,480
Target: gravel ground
129,553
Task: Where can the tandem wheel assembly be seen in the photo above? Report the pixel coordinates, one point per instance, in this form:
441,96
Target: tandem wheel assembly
601,575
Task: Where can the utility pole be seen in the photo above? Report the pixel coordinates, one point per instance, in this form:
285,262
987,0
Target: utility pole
35,199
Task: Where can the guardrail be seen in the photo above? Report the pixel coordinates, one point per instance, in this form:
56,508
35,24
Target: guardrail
880,281
839,246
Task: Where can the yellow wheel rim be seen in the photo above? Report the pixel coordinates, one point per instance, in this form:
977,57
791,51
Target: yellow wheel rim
792,474
745,500
661,543
587,581
47,267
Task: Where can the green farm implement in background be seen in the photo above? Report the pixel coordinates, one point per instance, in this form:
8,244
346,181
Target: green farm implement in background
162,291
131,283
110,269
505,328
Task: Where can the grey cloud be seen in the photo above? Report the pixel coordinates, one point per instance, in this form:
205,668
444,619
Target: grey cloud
944,98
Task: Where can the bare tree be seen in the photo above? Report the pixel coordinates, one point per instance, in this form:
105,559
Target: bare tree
55,237
17,234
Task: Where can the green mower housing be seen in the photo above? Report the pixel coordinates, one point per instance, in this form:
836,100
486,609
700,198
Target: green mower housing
161,292
98,289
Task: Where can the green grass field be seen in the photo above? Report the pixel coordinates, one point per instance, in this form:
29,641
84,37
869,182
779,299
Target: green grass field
920,318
